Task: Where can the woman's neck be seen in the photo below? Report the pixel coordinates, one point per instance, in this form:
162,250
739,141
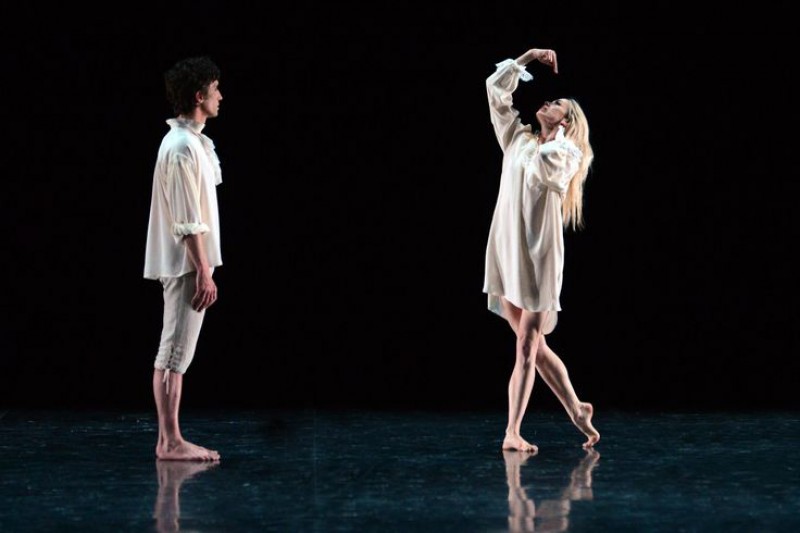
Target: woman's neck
546,134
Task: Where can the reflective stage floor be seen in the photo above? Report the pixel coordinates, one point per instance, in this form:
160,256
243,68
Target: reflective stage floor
320,471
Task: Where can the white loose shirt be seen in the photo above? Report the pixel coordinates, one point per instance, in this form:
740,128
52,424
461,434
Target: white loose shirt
184,201
525,252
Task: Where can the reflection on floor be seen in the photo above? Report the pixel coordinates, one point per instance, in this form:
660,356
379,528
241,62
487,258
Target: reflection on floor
317,470
551,514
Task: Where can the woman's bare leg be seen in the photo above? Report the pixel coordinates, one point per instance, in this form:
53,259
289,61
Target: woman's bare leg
554,373
528,331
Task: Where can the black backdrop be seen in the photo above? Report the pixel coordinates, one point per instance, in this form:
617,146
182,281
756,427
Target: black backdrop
359,178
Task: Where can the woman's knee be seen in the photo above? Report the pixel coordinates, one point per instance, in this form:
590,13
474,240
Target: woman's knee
542,349
529,340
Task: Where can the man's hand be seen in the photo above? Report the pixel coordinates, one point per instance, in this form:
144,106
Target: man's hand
205,293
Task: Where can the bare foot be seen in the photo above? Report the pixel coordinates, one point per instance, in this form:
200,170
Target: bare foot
583,420
515,442
185,451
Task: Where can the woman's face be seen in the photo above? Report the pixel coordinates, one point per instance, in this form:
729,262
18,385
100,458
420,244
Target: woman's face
551,114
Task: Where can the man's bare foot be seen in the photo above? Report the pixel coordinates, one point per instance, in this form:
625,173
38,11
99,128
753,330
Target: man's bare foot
185,451
515,442
583,420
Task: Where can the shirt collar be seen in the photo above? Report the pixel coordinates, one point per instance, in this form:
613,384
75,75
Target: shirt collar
193,125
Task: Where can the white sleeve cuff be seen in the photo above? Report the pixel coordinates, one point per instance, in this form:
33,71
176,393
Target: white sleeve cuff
190,228
524,75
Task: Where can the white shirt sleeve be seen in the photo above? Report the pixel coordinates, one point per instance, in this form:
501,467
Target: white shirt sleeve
182,188
499,87
556,163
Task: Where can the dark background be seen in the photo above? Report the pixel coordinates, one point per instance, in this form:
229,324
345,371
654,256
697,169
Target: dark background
359,177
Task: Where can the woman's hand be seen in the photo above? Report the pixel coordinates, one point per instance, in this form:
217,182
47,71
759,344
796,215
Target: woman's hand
546,57
542,55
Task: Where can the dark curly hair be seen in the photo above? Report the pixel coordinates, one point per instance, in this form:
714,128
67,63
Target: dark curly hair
187,77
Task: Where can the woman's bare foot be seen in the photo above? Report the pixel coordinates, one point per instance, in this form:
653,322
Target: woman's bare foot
583,420
185,451
515,442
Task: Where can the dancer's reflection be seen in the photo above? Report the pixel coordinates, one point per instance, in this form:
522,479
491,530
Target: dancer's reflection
171,475
552,514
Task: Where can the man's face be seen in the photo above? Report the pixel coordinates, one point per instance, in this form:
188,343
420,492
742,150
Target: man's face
209,101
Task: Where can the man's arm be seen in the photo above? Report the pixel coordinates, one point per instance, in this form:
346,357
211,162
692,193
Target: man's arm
206,290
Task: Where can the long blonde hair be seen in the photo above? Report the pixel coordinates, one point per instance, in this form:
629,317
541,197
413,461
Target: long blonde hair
577,130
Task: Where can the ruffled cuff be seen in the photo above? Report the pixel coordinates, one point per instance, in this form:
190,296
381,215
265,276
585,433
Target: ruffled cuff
573,150
189,228
567,145
524,75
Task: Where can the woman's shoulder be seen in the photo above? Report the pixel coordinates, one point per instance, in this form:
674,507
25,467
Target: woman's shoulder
563,144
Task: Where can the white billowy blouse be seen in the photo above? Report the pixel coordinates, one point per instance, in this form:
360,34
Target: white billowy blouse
525,252
184,201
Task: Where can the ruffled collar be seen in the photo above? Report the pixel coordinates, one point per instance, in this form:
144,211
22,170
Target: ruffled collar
193,125
208,144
